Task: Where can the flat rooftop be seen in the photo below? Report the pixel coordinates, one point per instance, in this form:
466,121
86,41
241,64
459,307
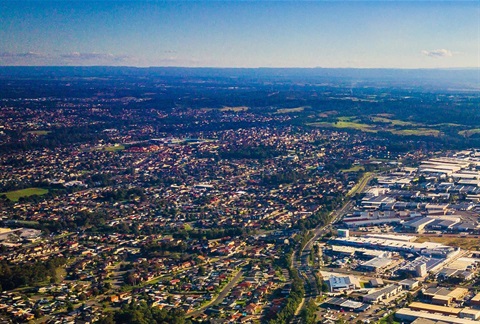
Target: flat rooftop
411,314
435,308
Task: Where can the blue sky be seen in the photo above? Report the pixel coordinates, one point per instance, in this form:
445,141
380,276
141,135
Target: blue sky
387,34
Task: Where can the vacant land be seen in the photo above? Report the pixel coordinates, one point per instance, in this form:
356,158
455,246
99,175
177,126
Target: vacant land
354,168
469,132
241,108
394,122
345,124
109,148
114,148
289,110
17,194
468,243
416,132
39,132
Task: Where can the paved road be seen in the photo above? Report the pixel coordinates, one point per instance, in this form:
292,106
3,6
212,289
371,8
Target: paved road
220,296
306,272
362,184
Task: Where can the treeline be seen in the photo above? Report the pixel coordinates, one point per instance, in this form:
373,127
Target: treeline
124,194
164,248
308,313
95,220
141,313
294,299
14,276
322,217
287,313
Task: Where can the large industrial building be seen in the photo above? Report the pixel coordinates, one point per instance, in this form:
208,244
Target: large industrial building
382,294
388,243
377,264
444,297
346,304
443,314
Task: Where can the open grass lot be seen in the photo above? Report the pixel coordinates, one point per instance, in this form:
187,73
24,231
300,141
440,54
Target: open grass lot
354,125
417,132
345,124
39,132
289,110
447,125
17,194
26,223
241,108
394,122
354,168
114,148
469,132
109,148
468,243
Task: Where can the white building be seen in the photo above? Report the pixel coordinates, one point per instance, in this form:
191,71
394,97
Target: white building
338,284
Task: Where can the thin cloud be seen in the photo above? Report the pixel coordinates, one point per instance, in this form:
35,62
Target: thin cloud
176,61
81,57
74,58
438,53
9,55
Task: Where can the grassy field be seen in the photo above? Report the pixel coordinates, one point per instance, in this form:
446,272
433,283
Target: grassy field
348,122
354,168
289,110
114,148
468,243
17,194
241,108
394,122
416,132
39,132
345,124
26,223
469,132
447,125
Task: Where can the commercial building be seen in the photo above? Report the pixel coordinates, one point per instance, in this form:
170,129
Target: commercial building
337,284
435,308
475,301
473,314
376,265
381,294
418,225
443,296
387,244
409,284
346,304
406,314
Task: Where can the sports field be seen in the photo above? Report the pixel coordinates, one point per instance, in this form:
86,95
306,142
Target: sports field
17,194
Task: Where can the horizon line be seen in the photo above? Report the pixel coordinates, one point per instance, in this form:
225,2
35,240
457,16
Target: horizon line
239,68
